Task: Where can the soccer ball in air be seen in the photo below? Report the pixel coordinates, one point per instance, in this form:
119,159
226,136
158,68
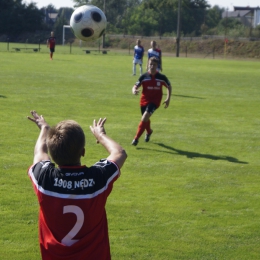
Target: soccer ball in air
88,22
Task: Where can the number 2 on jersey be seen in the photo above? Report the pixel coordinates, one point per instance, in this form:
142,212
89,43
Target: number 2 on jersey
68,239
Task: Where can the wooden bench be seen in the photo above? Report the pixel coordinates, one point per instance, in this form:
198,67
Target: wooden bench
34,49
103,51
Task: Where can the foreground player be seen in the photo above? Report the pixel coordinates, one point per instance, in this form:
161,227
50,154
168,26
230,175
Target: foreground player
72,197
152,83
155,52
51,44
138,57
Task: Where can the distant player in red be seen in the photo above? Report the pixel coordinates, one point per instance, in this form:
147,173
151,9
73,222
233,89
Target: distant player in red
152,83
51,44
72,197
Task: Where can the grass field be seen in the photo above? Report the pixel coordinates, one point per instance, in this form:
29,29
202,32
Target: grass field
192,192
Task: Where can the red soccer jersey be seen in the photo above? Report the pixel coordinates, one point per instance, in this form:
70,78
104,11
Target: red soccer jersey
152,88
51,42
72,218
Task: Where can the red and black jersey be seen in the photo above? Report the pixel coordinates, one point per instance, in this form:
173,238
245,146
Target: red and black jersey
72,218
152,88
52,42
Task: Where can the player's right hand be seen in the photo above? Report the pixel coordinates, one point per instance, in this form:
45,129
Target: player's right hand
38,119
135,91
98,128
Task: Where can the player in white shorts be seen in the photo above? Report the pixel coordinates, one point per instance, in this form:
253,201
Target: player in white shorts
138,57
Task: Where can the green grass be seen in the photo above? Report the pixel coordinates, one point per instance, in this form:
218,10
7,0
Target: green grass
192,192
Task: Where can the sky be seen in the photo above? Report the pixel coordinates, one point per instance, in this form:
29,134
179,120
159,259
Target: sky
231,3
222,3
57,3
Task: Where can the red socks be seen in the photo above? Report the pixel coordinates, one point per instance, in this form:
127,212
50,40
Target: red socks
141,127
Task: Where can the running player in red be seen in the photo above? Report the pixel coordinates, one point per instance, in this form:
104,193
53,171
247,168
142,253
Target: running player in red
152,83
51,44
72,197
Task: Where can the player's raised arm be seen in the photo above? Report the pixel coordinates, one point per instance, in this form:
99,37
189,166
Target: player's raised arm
116,152
40,149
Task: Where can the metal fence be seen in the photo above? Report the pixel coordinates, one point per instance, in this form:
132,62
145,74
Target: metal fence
207,46
191,38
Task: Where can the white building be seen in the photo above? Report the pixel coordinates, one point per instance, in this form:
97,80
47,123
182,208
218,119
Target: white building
249,16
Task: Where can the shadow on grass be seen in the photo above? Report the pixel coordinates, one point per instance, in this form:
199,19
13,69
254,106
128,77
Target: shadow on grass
183,96
1,96
188,96
192,155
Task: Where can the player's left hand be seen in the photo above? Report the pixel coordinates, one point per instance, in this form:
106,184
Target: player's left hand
38,120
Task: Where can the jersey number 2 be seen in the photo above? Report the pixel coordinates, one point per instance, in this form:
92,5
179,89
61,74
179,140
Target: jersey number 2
68,239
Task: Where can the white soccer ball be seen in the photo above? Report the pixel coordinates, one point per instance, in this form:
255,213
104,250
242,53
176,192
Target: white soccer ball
88,22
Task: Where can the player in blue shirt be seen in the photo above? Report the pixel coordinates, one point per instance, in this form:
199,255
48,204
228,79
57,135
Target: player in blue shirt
155,52
138,56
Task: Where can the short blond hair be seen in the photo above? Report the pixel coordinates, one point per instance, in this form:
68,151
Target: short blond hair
66,142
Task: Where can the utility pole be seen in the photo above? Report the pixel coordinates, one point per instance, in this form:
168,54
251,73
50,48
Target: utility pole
226,40
251,23
104,34
178,29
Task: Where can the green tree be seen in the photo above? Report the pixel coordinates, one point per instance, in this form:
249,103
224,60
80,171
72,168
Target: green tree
66,12
193,15
58,28
33,18
213,16
229,23
159,17
81,2
141,22
16,17
164,13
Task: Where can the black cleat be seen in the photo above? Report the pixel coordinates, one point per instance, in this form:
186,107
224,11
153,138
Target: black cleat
135,142
147,137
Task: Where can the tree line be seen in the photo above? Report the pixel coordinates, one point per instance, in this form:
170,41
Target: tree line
134,17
